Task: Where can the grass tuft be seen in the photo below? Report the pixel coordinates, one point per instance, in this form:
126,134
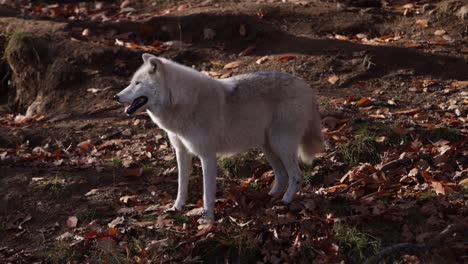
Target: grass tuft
361,149
355,245
60,252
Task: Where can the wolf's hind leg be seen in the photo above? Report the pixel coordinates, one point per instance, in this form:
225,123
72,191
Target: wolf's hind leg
281,176
286,147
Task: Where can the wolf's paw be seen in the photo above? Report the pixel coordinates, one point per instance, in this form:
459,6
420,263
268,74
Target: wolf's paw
288,197
278,187
275,195
206,217
172,209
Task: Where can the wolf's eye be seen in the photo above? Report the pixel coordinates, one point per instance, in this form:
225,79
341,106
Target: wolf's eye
137,83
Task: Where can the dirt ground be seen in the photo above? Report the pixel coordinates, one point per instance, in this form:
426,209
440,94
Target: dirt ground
80,182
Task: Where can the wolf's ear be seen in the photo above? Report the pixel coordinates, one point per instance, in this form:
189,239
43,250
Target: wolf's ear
147,56
155,63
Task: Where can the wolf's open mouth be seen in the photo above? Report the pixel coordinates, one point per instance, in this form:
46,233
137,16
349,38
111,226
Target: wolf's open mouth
136,104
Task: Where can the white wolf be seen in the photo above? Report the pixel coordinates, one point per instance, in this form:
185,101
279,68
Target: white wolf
206,117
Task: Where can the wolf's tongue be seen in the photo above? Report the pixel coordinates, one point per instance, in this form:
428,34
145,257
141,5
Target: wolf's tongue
137,103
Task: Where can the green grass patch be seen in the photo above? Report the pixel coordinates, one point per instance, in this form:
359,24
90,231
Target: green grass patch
355,245
55,185
15,39
237,166
360,149
115,163
428,195
229,247
253,186
60,252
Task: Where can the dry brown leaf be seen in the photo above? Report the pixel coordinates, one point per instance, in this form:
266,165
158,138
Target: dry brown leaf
412,45
333,79
286,58
247,51
438,187
332,122
233,65
125,4
341,37
262,60
86,32
86,145
205,229
459,83
112,231
407,112
422,22
363,101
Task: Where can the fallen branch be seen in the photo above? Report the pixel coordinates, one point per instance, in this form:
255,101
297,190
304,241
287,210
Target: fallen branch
395,163
415,248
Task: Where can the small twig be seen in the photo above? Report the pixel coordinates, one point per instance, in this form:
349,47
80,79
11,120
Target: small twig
345,190
395,163
410,247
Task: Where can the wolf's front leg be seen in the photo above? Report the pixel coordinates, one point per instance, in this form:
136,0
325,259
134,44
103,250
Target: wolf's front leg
209,187
184,167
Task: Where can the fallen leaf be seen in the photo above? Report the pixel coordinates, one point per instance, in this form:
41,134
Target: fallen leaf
117,221
247,51
233,65
72,221
341,37
205,229
459,83
195,212
422,22
64,236
112,231
124,199
286,58
363,101
262,60
92,192
332,122
86,32
333,79
438,187
440,32
412,45
125,3
407,112
86,145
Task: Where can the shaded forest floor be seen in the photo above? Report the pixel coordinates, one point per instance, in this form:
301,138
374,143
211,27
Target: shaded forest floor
82,182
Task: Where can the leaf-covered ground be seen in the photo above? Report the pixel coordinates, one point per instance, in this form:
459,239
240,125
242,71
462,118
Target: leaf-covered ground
80,182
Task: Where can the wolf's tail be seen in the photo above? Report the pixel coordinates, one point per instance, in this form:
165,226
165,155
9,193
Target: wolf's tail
312,140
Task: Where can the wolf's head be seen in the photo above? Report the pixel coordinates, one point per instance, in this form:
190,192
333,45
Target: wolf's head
146,87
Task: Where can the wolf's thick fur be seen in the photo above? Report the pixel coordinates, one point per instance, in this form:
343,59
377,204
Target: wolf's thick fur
274,111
